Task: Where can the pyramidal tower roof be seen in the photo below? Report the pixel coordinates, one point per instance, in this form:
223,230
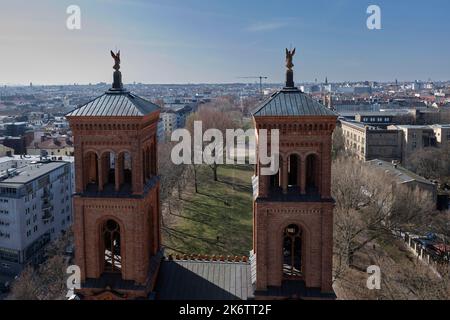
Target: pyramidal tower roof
291,101
116,102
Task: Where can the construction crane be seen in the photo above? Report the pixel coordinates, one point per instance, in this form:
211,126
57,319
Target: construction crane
260,81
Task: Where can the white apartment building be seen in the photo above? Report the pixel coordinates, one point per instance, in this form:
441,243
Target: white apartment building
35,207
169,121
416,137
173,119
442,134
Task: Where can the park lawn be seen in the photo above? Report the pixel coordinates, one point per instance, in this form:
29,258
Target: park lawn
218,219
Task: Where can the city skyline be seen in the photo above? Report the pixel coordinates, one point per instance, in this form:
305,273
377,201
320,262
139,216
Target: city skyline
173,42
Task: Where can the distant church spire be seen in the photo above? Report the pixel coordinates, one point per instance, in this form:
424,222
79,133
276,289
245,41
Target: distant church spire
117,75
289,65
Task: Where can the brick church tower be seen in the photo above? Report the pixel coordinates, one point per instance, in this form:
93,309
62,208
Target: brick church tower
293,210
116,206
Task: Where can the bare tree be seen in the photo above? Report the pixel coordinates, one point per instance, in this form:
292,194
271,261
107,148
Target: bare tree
171,175
48,280
412,280
213,116
431,163
369,204
338,143
25,287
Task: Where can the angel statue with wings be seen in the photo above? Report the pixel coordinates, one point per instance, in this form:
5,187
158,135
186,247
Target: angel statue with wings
289,55
116,57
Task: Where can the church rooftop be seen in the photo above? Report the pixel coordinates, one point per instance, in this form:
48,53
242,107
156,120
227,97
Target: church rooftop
117,101
204,280
291,102
115,104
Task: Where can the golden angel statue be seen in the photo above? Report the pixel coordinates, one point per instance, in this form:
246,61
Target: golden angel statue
116,57
289,55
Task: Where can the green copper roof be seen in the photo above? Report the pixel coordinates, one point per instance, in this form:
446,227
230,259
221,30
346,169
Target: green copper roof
291,102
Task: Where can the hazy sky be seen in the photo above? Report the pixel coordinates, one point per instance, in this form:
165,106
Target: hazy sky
200,41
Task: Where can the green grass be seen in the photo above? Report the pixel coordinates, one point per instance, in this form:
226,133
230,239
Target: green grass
217,219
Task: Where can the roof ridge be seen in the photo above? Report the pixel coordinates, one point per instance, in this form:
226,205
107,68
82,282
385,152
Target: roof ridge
112,104
137,105
263,103
207,258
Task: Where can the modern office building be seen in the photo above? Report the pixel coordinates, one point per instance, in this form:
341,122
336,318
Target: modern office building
35,207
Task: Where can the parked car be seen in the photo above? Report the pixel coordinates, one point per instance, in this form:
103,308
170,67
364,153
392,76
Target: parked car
441,249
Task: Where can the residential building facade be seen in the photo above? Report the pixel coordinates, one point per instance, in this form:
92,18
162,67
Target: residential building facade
414,138
35,207
368,142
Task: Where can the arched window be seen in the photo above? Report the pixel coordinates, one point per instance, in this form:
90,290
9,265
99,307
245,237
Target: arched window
293,171
125,168
111,242
147,163
90,170
144,166
312,174
153,160
292,252
108,168
275,180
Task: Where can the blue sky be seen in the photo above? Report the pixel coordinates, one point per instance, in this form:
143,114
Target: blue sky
215,41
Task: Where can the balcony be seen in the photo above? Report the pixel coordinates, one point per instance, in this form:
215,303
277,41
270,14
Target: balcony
47,206
47,195
47,215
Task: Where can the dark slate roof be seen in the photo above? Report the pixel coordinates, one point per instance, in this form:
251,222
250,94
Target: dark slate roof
204,280
291,102
115,103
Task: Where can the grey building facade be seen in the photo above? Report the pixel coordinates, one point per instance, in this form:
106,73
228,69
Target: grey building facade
35,207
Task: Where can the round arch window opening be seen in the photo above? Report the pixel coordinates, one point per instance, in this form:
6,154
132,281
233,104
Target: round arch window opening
292,252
